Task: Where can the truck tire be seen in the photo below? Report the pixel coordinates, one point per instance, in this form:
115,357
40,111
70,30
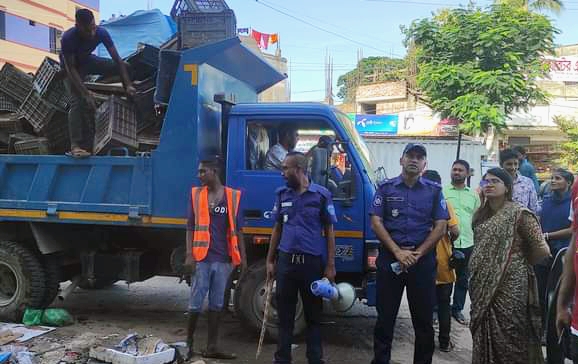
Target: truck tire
52,280
98,283
249,299
22,282
554,353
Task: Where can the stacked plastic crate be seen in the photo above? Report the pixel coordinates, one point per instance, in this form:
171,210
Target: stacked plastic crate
34,108
203,21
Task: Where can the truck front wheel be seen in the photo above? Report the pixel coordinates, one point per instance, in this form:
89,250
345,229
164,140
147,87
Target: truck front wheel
250,296
22,282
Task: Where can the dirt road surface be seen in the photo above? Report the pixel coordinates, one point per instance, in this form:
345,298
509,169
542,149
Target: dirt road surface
156,307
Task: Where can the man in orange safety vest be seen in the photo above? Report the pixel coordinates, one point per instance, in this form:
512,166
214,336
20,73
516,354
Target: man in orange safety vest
214,247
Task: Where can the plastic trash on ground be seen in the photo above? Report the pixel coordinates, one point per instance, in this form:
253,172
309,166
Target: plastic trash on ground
49,317
134,349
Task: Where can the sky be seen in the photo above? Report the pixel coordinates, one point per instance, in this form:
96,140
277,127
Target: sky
310,29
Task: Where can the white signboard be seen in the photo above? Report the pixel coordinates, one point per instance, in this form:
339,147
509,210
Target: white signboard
564,68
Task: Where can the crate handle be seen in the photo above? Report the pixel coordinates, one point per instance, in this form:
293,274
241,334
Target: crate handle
124,150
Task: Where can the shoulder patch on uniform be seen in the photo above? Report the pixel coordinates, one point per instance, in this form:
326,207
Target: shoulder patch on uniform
443,204
431,183
319,189
377,201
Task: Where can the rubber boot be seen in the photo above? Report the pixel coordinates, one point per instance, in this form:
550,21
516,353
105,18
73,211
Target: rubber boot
192,325
212,351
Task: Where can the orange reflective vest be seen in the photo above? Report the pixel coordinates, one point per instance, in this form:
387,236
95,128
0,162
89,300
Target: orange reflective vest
202,235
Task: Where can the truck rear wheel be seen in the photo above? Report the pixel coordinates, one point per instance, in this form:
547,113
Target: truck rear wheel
250,296
22,282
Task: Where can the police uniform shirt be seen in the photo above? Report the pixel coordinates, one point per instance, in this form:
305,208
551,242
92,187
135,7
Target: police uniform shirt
303,218
408,213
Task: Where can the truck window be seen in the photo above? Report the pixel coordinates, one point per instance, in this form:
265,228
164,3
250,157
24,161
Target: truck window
329,162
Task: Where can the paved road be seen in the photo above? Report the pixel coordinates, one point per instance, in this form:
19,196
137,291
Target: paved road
156,307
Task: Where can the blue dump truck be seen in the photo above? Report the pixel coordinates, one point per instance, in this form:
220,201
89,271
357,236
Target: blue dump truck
122,218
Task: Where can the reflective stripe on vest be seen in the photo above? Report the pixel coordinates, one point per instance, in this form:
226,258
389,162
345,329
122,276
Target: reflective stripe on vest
201,235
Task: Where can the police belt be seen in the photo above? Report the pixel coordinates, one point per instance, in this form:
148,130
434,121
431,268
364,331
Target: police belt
407,247
298,258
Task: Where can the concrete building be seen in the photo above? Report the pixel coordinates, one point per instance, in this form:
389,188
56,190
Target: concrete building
279,92
31,29
383,98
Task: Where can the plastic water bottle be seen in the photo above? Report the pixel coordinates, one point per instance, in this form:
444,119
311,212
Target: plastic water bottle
324,288
396,268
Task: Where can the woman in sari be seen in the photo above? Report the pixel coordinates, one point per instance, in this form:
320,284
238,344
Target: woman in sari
505,316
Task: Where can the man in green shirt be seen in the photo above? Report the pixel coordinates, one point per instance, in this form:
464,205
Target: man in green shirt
465,202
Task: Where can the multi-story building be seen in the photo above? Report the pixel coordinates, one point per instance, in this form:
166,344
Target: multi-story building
31,29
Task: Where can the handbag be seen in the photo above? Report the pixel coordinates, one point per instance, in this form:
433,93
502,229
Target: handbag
457,260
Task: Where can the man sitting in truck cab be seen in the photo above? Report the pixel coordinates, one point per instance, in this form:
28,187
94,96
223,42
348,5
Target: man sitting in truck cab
288,138
77,60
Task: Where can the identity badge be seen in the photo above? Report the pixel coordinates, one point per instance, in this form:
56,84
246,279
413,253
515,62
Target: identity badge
395,212
285,218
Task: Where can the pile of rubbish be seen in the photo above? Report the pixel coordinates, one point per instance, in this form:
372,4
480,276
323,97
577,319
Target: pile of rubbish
135,349
33,109
91,349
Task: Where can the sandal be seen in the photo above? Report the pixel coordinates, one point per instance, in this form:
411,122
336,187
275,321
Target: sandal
78,153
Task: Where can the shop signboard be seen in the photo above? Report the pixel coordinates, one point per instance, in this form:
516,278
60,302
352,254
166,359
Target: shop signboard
369,124
562,68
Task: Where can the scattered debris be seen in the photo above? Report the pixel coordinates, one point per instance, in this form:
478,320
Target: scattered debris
134,349
7,336
27,333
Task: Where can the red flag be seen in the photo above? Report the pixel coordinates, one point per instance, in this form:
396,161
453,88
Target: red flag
257,36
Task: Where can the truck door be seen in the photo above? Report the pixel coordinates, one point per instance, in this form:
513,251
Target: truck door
248,171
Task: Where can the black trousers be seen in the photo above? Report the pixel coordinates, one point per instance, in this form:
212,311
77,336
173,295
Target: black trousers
420,284
461,285
295,273
444,293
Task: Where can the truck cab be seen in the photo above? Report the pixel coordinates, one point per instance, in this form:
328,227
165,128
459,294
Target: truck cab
253,129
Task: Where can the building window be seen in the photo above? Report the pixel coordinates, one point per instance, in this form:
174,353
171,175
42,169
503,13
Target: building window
369,109
55,37
518,141
2,25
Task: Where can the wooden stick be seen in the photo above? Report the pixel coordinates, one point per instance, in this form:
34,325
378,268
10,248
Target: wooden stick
265,315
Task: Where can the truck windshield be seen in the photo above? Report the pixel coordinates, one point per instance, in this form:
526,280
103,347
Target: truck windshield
358,143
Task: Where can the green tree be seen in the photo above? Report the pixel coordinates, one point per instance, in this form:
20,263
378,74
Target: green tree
554,6
370,70
569,155
479,65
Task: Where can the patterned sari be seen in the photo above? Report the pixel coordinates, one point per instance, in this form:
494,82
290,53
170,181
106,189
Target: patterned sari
505,312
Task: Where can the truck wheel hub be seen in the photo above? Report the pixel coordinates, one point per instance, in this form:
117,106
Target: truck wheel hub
8,284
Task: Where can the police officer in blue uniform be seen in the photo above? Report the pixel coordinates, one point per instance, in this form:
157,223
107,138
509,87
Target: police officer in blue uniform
409,216
299,253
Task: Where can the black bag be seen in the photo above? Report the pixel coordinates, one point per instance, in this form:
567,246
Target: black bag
457,260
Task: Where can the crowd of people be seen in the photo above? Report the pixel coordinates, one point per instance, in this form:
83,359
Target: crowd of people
495,242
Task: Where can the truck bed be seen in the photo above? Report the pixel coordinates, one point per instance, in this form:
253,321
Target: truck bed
60,188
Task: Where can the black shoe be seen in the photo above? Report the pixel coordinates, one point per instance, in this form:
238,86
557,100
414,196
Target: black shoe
447,348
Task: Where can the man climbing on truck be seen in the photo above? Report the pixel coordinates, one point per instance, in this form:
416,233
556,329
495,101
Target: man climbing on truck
214,246
77,59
